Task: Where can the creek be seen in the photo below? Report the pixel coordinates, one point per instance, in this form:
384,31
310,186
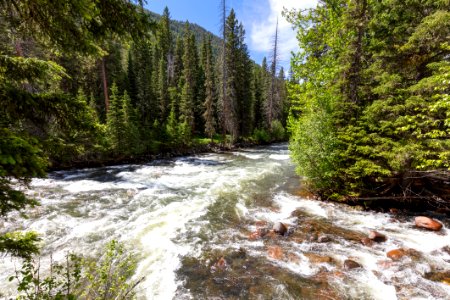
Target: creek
192,222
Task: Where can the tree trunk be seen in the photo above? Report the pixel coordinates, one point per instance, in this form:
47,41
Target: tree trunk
105,84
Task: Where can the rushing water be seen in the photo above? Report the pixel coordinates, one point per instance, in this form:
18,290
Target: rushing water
183,216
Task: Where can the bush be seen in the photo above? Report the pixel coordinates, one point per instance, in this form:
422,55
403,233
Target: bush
278,131
261,136
104,277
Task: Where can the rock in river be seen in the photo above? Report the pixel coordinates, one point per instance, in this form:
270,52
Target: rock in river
428,223
377,237
351,264
396,254
279,228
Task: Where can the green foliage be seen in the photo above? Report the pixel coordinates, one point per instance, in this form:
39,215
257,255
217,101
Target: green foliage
109,277
261,135
105,277
19,244
371,106
278,132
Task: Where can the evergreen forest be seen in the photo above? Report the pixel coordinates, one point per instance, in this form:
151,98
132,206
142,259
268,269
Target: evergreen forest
371,112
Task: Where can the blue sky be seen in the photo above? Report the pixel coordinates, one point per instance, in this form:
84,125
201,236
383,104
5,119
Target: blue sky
258,16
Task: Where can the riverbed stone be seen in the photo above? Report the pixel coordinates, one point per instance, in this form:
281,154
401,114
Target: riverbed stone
427,223
351,264
317,259
275,252
279,228
377,237
396,254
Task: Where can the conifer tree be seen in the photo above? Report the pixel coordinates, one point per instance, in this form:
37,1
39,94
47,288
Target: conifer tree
188,94
210,93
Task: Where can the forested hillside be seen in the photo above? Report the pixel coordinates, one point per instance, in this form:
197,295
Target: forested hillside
372,112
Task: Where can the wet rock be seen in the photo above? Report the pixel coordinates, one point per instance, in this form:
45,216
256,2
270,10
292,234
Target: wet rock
275,252
446,249
396,254
394,211
317,259
427,223
377,237
367,242
323,239
351,264
443,277
279,228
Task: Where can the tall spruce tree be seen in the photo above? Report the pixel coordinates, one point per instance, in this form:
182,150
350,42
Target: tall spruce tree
210,92
189,79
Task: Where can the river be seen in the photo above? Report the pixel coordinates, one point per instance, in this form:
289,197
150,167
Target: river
191,221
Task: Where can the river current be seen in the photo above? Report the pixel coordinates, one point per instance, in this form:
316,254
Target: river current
191,221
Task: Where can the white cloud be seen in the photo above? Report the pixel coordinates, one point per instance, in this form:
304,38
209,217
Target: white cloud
262,26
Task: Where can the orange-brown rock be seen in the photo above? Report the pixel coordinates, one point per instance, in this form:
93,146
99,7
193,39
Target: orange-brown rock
396,254
275,252
351,264
221,263
317,259
254,236
428,223
377,237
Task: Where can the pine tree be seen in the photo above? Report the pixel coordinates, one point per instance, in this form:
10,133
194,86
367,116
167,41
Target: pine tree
273,105
210,93
228,101
188,94
166,63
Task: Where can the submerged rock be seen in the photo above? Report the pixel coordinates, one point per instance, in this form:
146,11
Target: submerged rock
428,223
351,264
279,228
317,259
275,252
377,237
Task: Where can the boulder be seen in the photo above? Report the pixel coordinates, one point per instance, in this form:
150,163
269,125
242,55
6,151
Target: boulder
377,237
351,264
396,254
428,223
279,228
